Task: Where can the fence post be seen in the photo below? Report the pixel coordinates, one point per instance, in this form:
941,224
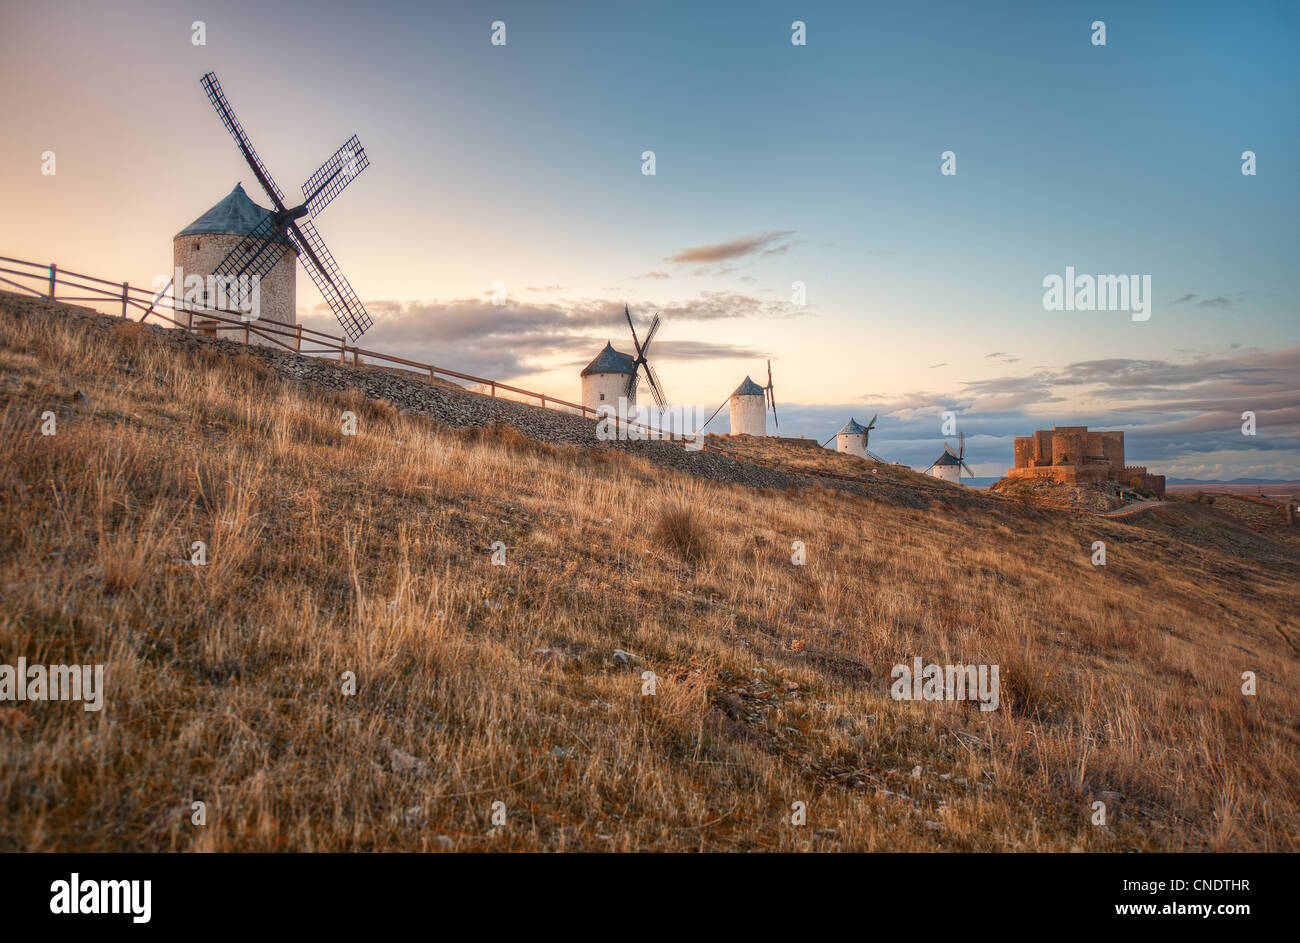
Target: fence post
124,291
494,387
297,342
431,374
543,401
343,352
245,332
53,269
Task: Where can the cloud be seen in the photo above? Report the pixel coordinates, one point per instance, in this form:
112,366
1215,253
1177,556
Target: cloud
654,275
471,335
767,243
1180,418
701,350
1219,302
934,366
1184,298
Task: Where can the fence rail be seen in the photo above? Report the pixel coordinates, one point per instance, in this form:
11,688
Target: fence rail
152,304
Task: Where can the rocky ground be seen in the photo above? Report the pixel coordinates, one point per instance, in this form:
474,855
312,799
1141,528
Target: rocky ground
1100,497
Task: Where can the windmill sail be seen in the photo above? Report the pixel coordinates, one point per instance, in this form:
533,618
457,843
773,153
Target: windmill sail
640,363
218,99
260,251
324,271
771,395
334,175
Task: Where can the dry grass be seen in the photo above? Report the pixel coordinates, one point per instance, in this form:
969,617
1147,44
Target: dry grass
370,554
681,530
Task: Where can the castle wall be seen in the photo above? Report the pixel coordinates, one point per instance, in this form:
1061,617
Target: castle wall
1069,454
1043,447
1112,447
1067,448
1024,451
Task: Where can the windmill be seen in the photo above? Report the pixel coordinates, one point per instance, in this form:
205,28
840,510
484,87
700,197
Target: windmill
259,251
852,440
950,464
639,362
770,396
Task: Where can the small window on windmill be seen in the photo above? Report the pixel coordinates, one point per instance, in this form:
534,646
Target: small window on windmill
602,395
196,244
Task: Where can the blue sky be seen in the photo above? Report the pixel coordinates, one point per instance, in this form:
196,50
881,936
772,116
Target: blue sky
774,164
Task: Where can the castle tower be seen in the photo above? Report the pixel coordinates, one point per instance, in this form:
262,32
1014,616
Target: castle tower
202,245
748,409
852,439
605,379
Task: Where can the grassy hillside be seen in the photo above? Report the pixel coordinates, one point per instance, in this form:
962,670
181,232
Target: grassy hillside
479,684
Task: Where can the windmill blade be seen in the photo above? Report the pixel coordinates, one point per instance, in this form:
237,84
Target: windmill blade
654,326
334,175
630,391
871,425
771,394
256,254
324,271
655,389
635,343
961,441
828,441
218,99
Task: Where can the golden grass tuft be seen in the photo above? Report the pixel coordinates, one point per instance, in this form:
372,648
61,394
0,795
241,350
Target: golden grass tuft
680,530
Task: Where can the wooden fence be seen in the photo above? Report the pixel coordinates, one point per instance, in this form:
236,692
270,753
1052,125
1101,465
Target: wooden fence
291,337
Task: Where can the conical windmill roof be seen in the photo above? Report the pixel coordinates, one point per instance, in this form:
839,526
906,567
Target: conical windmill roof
235,215
610,360
748,388
853,427
947,458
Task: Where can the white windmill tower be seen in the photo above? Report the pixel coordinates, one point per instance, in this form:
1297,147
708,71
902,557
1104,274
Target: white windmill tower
852,439
605,379
749,406
950,464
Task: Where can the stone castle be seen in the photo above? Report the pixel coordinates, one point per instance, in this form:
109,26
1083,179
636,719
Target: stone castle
1072,454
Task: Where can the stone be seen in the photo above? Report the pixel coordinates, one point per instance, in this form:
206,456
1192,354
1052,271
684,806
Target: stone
403,762
626,659
547,656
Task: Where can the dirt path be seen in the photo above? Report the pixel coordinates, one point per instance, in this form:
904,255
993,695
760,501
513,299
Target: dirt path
1131,509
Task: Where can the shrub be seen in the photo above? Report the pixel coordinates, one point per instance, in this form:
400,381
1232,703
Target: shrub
680,531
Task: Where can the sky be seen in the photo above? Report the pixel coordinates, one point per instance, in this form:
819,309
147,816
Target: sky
775,164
